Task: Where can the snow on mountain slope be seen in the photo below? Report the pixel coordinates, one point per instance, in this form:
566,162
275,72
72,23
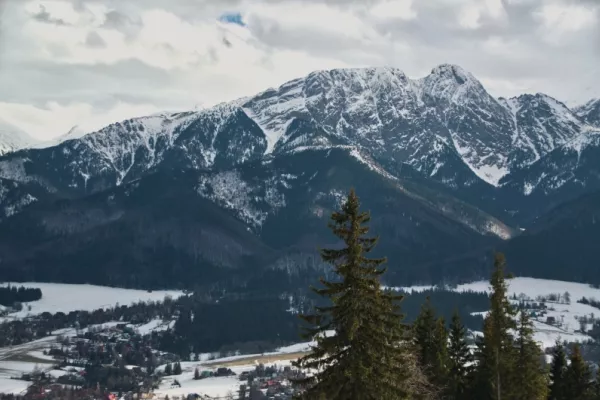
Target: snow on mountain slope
14,197
445,126
590,112
570,169
74,133
12,138
382,112
541,124
418,122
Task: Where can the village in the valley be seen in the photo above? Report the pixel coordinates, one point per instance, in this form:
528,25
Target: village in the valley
115,361
52,349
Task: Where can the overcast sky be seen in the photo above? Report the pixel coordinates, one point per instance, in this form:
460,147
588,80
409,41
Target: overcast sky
93,62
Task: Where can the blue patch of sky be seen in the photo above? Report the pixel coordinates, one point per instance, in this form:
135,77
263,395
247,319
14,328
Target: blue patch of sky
232,18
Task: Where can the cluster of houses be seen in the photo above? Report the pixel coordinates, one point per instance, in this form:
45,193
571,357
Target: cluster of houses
269,382
102,361
115,362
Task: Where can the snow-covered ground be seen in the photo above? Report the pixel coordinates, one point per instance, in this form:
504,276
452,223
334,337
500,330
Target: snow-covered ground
567,314
73,297
155,325
12,386
214,387
14,369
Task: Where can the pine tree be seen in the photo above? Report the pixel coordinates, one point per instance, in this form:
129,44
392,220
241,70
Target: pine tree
496,355
558,369
168,369
460,360
196,374
530,381
177,368
431,342
442,362
424,329
368,355
578,377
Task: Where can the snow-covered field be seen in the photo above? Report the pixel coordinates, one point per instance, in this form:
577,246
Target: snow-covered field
60,297
568,314
72,297
214,387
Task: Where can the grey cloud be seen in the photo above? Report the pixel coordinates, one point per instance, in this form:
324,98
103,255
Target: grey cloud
123,23
47,81
94,40
435,37
116,20
566,71
44,16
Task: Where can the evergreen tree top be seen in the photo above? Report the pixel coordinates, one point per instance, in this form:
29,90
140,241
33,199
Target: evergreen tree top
369,356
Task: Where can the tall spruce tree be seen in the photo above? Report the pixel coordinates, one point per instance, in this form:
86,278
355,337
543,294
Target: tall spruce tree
368,356
531,380
441,362
578,377
496,353
424,336
558,386
459,360
431,342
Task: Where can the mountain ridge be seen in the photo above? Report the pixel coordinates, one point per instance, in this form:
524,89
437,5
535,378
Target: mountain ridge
233,225
13,138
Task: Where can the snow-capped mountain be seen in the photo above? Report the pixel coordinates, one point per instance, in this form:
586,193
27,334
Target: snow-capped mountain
590,112
439,160
541,124
564,174
12,138
74,133
445,127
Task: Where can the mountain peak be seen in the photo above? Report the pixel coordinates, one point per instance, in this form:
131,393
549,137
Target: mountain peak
452,71
451,84
590,112
371,75
13,138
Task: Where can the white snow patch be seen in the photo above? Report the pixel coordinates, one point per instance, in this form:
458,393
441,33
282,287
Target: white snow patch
73,297
410,289
490,173
229,190
155,325
567,314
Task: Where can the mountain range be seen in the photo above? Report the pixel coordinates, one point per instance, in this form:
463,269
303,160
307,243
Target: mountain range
240,191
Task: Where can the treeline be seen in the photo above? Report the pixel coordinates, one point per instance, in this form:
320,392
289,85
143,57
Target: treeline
10,295
446,303
373,354
590,302
201,327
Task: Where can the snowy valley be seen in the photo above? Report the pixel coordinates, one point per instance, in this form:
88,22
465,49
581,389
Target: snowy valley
555,307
